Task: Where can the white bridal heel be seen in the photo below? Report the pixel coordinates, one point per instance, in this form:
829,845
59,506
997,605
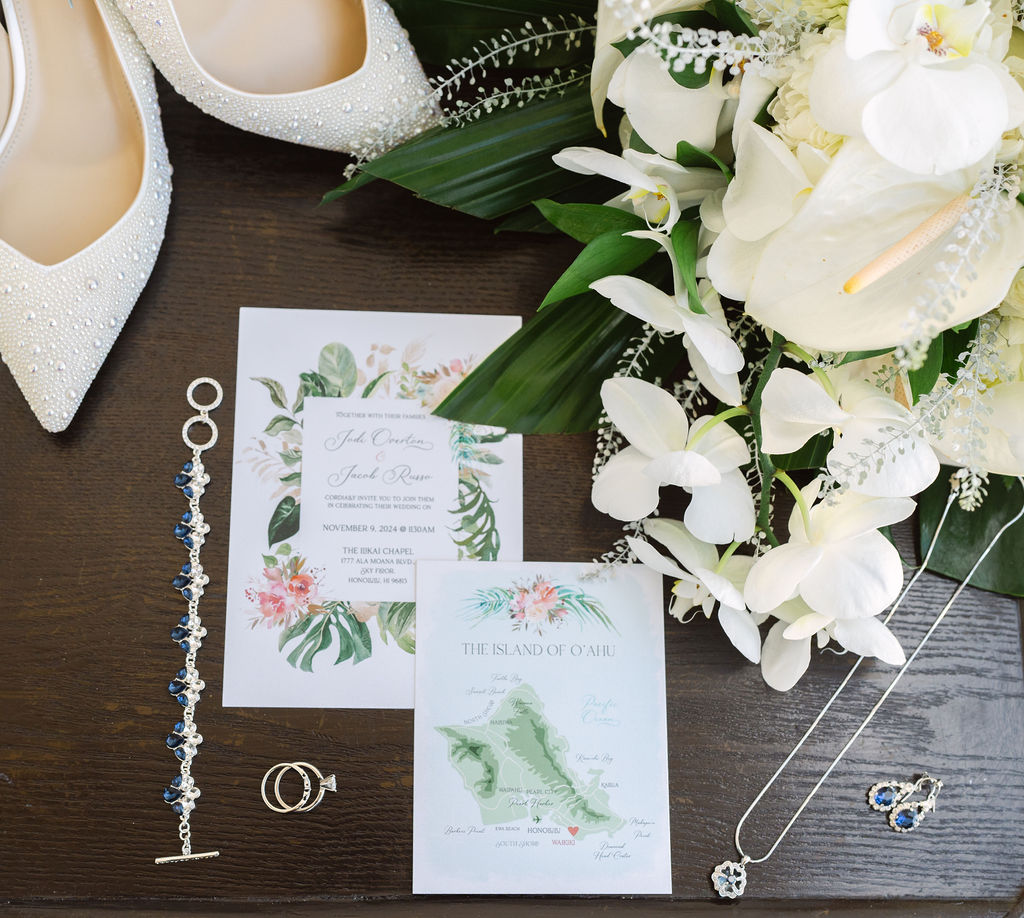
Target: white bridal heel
335,74
84,192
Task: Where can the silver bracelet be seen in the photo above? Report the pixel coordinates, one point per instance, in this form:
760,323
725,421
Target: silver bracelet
189,632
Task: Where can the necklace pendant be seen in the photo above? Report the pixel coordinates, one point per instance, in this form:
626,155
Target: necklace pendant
729,879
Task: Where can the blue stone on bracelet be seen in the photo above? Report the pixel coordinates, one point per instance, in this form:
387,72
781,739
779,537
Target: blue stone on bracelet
183,700
181,479
187,593
178,633
187,541
186,517
171,795
174,741
176,781
187,492
179,727
184,620
187,467
182,752
178,809
181,530
180,581
186,646
186,568
176,687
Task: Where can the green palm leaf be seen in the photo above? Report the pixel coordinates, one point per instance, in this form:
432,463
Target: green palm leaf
496,165
547,377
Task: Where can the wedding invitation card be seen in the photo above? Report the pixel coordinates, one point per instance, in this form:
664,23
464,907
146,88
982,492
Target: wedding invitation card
342,480
541,761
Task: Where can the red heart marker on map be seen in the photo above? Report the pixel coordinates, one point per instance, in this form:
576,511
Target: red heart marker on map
573,830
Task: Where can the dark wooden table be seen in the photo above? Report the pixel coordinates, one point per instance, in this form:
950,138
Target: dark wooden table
88,555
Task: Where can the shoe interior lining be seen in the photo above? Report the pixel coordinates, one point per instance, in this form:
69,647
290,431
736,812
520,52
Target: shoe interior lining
6,78
74,165
257,46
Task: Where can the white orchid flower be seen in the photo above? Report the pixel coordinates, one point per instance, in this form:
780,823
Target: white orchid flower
714,357
881,448
703,459
786,652
835,560
658,188
771,185
702,579
919,81
614,20
662,112
791,242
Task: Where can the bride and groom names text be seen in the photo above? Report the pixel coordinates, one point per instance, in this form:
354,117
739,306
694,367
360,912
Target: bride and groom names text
385,439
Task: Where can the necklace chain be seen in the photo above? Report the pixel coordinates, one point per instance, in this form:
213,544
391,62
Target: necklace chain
746,859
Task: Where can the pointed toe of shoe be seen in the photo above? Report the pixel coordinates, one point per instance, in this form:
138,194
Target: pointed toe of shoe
386,101
59,321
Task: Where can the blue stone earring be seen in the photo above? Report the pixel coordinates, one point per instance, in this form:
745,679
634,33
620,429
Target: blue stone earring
885,795
907,815
892,797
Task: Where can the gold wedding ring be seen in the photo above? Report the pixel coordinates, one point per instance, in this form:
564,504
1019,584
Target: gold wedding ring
302,769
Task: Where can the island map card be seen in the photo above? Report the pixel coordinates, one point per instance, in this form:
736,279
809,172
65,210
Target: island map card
541,762
342,480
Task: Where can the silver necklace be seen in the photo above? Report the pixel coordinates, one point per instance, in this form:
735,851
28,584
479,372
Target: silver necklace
729,878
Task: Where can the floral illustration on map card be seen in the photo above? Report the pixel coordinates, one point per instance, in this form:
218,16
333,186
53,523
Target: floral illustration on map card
286,598
538,604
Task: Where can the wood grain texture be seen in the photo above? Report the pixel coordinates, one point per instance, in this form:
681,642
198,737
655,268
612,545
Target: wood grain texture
87,605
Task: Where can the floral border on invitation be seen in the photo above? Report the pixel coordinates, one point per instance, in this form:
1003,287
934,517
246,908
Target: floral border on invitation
288,595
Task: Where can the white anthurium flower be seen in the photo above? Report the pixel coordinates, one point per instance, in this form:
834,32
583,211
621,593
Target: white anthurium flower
702,579
703,459
837,561
714,357
923,83
661,111
881,447
658,188
614,19
792,279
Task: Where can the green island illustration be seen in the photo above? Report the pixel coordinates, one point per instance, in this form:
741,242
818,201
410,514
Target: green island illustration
515,767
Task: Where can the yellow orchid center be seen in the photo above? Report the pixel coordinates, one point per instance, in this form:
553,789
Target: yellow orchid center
950,31
639,194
